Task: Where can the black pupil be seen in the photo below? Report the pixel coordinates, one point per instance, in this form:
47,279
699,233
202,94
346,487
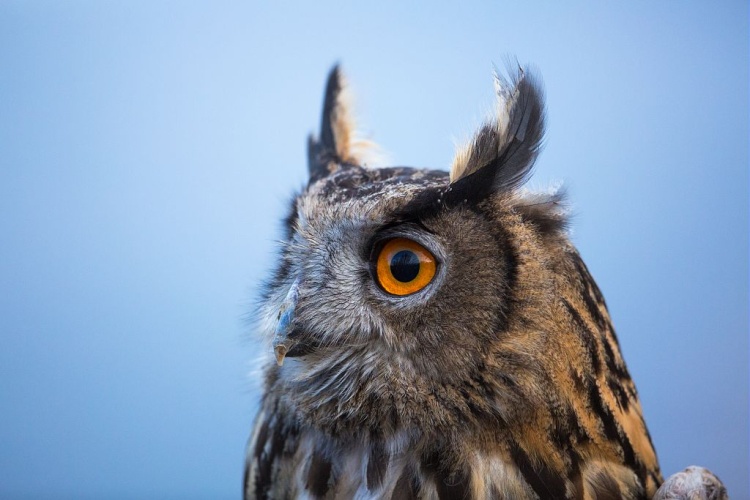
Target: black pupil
405,266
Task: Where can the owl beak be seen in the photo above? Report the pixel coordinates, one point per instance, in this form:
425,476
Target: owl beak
283,344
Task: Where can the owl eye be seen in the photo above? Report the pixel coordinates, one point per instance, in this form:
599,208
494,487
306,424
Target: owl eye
404,266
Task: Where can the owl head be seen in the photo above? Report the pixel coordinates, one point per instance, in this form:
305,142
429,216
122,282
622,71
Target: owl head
397,289
436,328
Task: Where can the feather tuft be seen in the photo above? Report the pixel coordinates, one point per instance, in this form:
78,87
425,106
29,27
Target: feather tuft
509,144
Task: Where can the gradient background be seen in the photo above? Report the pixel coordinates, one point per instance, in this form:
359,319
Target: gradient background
147,150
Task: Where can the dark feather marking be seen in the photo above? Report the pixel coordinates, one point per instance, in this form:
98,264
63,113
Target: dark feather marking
582,384
605,487
565,431
614,433
318,474
619,392
480,384
277,441
432,200
263,479
592,306
291,440
451,480
265,469
472,189
456,486
545,482
583,270
377,464
575,476
612,430
261,440
586,336
407,487
612,366
593,309
394,419
333,89
478,393
656,477
509,253
573,425
423,206
322,153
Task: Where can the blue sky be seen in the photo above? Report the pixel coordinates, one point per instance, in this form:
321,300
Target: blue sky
147,150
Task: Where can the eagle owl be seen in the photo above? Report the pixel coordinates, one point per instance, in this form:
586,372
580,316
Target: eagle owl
437,335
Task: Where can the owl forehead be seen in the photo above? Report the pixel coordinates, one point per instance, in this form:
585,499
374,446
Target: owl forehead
355,193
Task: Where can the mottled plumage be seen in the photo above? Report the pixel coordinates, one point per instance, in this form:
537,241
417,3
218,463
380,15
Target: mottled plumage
501,377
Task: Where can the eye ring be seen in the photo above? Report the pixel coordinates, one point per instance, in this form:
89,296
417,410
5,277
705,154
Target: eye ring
404,267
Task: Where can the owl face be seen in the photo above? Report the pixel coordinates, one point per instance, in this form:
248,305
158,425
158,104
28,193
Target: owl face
368,269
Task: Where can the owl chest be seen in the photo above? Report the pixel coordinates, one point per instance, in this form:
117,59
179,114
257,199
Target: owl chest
392,469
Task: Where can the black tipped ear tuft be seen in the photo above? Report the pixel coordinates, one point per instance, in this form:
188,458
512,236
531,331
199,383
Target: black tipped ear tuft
503,152
333,148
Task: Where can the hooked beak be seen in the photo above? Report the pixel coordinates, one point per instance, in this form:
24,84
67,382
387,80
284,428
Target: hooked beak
282,343
286,342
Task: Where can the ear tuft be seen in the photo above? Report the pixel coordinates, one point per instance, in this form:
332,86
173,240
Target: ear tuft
502,153
335,145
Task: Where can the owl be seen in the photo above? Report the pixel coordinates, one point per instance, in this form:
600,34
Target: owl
437,335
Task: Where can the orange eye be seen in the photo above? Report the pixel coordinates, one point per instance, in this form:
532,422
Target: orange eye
404,267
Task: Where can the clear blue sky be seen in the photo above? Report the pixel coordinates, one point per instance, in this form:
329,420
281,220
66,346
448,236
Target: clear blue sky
147,150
